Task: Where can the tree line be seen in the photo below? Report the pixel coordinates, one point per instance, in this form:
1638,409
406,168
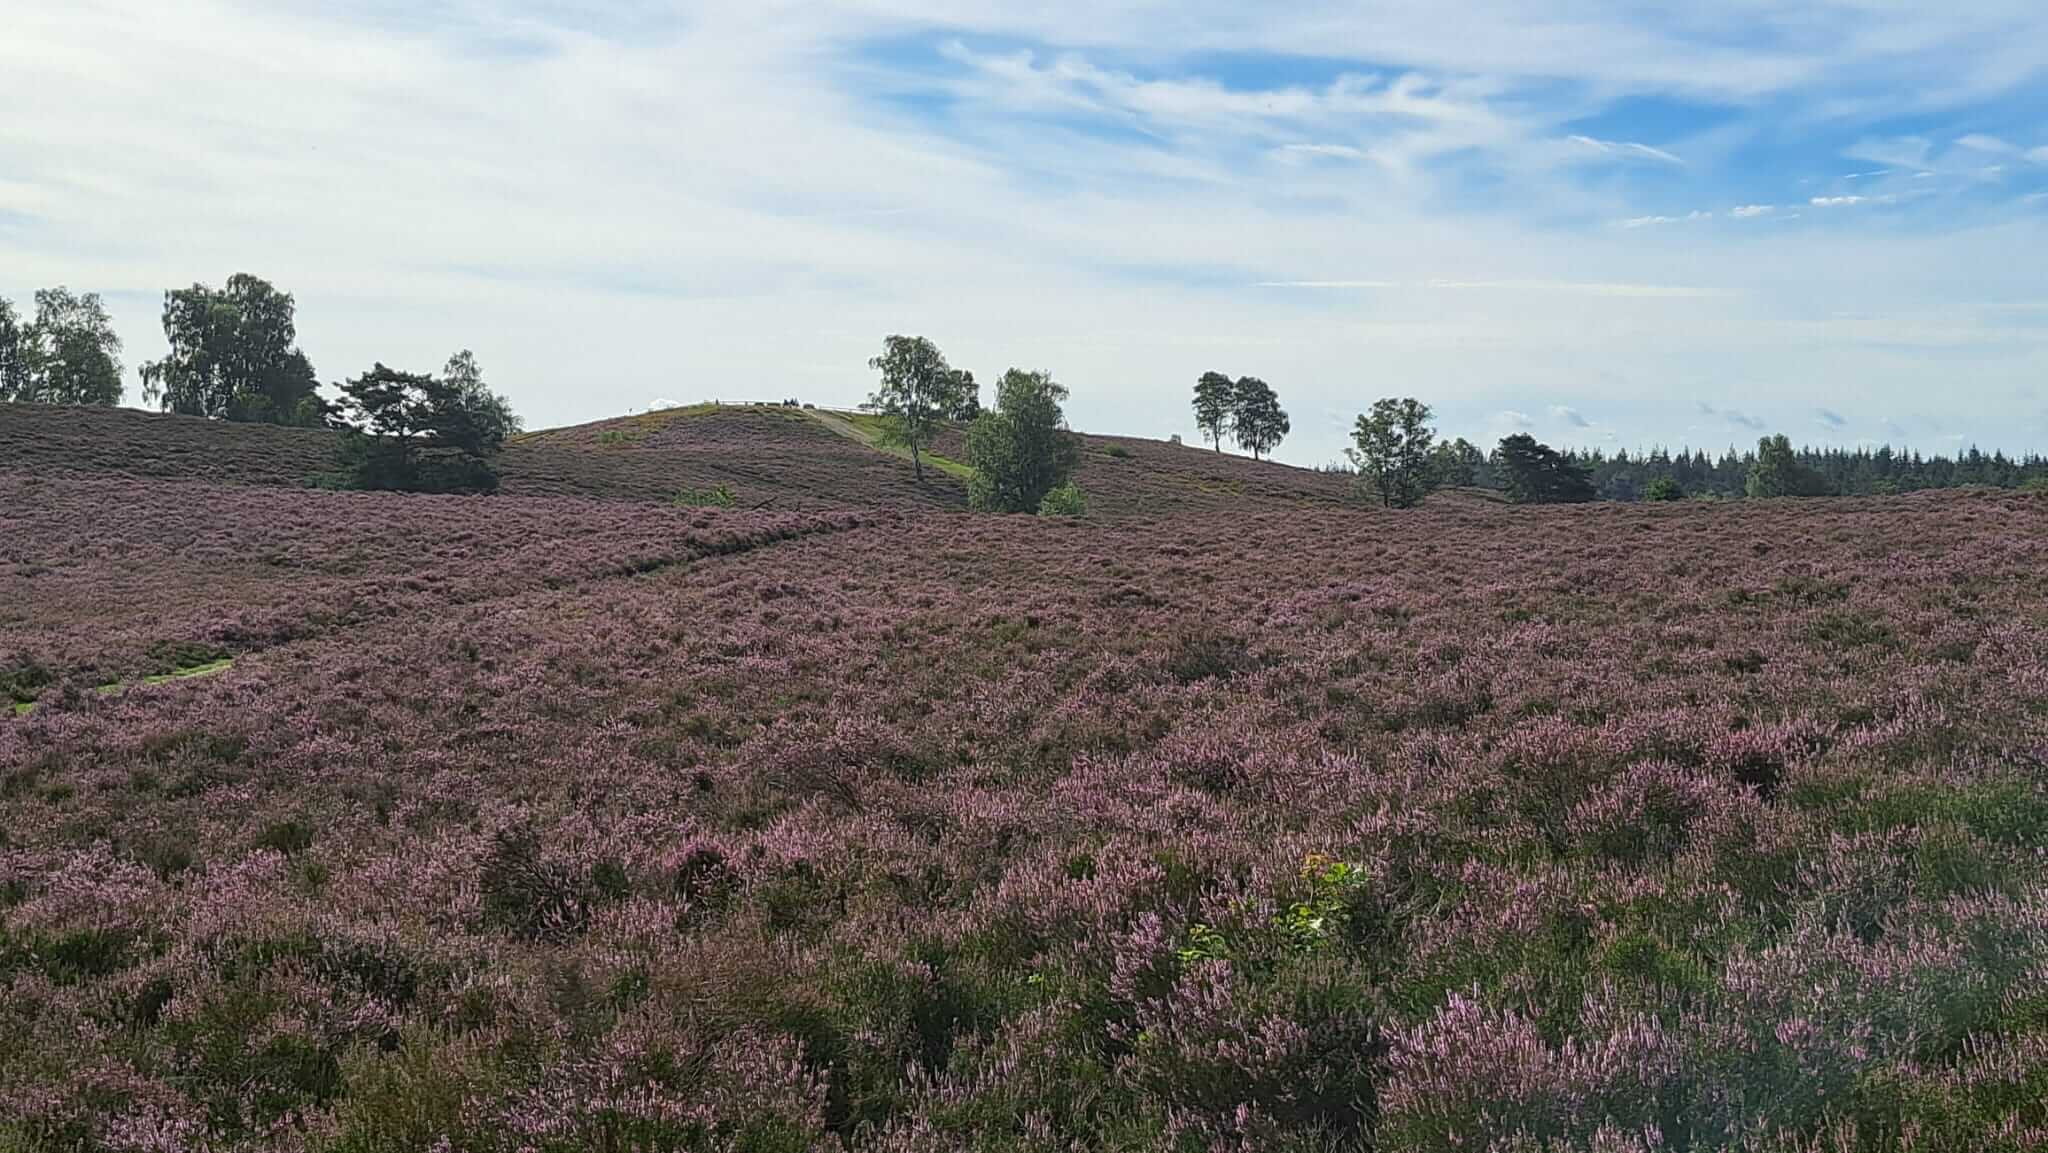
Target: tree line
234,356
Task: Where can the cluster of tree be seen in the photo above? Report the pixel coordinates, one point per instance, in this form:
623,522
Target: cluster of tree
234,356
1246,408
415,432
1399,460
1020,451
68,354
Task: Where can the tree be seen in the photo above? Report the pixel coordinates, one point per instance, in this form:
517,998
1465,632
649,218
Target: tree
418,433
1536,473
1779,472
1215,399
919,390
1021,450
1392,451
1455,464
1665,487
966,397
14,375
233,356
70,354
1256,416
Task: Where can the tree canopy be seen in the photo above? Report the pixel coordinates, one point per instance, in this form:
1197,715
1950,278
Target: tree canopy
1779,472
67,355
1535,473
14,362
233,356
420,433
919,391
1392,449
1256,417
1215,400
1021,450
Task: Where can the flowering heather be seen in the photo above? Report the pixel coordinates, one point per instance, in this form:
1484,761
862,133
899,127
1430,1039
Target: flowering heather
531,823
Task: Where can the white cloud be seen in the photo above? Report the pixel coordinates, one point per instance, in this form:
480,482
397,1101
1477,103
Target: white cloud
1514,419
1335,151
1624,148
1751,211
1570,416
1978,142
1328,284
1652,221
2039,155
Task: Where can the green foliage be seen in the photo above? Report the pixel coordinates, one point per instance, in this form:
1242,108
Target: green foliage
68,355
1066,500
233,356
1535,473
1117,452
419,433
611,436
14,355
919,392
1455,464
1665,487
1333,887
1021,450
1256,416
1392,451
1215,401
717,496
1778,472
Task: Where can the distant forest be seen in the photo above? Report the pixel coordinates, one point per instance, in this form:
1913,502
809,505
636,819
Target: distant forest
1842,472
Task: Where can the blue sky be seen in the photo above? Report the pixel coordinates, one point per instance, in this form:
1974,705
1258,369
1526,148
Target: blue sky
1610,224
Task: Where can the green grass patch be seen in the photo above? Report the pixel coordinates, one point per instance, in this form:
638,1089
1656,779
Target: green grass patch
871,429
210,668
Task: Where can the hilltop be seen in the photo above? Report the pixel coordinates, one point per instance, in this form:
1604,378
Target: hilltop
769,456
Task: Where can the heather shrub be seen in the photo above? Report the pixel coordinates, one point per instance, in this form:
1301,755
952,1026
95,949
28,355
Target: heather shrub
1245,1063
1206,654
529,894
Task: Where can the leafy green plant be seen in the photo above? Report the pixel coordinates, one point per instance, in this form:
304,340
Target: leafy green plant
718,496
1066,500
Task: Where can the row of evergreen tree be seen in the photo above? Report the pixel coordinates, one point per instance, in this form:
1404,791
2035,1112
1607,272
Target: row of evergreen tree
1832,471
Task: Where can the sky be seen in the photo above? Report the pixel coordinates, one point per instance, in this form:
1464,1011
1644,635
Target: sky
1608,224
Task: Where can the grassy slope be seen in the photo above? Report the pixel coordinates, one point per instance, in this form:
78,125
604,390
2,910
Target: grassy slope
769,456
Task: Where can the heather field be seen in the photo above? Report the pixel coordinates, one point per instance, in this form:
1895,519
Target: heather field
542,823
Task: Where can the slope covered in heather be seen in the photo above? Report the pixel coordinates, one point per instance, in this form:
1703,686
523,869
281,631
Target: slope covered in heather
766,456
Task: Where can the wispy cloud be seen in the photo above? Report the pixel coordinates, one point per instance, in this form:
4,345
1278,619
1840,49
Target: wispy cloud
1328,284
1624,148
1570,416
1980,142
1831,418
1751,211
1514,419
1744,420
1653,221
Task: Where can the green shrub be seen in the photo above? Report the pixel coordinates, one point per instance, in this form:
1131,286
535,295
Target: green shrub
1664,488
1118,451
1066,500
719,496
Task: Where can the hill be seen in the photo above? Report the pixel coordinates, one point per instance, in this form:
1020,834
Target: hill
767,455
